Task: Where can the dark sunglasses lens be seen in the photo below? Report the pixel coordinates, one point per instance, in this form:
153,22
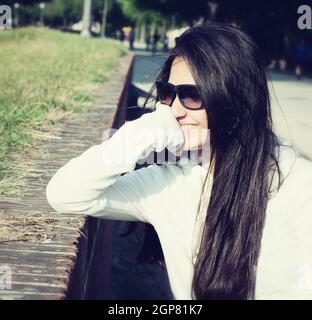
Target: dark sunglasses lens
190,97
165,92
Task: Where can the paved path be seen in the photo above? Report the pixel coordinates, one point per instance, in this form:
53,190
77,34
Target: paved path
146,68
292,110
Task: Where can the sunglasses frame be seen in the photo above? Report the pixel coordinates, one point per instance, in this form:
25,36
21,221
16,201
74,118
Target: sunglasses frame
176,92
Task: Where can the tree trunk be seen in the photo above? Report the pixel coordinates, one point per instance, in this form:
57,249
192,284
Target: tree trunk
86,19
143,31
104,17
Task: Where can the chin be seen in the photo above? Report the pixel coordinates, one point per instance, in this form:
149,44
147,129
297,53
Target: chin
190,147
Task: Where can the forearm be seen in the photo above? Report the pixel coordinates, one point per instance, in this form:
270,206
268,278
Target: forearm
82,180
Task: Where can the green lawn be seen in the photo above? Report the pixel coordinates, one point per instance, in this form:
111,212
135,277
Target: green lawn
45,74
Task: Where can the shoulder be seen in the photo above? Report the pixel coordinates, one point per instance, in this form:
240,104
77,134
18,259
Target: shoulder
295,168
294,197
287,237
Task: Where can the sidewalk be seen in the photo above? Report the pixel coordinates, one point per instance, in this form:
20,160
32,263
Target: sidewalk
292,110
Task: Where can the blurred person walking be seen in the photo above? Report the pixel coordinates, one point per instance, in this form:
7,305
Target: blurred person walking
147,41
301,53
131,39
122,36
156,38
165,43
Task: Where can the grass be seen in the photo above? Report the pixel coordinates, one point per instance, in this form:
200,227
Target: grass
46,75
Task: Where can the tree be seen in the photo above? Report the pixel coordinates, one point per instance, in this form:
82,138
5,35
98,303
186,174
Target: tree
28,10
104,18
86,19
184,11
64,13
144,20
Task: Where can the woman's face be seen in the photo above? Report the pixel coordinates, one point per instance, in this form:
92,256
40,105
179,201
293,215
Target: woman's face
194,123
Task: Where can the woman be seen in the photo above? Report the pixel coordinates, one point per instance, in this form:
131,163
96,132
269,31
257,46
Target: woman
234,221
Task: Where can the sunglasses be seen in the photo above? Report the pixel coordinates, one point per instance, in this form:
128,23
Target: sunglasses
187,93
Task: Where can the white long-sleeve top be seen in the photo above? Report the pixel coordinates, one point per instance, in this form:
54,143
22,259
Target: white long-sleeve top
102,182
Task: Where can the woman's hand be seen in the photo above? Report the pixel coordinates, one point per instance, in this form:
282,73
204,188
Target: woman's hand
174,132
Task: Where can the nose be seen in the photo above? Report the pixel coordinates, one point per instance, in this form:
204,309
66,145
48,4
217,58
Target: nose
177,109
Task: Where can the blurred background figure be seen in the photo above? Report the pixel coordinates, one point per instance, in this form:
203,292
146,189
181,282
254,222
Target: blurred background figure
131,39
147,42
122,36
278,60
165,43
301,53
156,38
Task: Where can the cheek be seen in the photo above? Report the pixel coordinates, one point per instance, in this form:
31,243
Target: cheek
203,125
201,130
195,137
202,119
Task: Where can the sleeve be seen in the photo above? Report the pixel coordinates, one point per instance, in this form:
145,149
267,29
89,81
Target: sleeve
102,181
297,267
303,253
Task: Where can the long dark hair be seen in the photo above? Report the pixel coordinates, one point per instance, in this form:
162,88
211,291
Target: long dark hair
230,73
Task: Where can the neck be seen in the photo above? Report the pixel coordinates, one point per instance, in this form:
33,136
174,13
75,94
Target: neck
200,157
204,158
